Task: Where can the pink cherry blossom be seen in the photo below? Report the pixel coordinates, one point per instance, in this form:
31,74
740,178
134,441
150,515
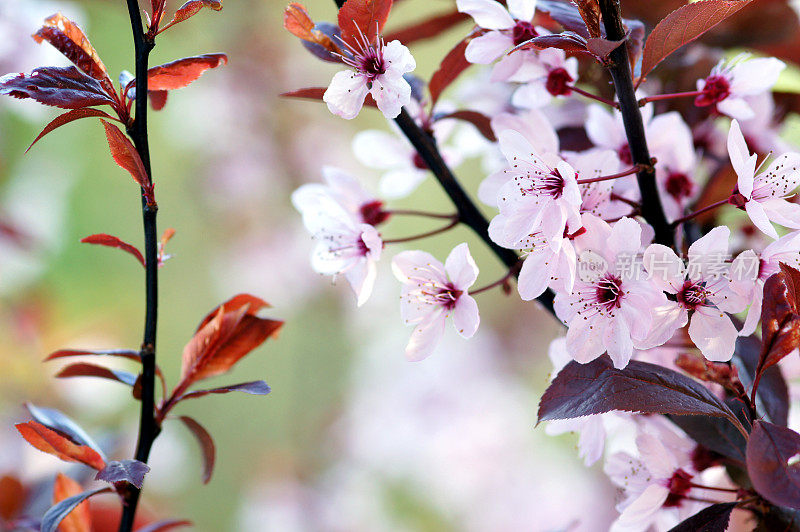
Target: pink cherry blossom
610,307
703,288
764,194
377,69
547,76
730,82
432,292
508,27
536,195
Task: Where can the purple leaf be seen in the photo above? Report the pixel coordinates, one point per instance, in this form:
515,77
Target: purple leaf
568,41
59,511
773,462
715,434
772,397
712,519
131,471
253,388
163,526
85,369
206,445
65,87
124,353
598,387
53,419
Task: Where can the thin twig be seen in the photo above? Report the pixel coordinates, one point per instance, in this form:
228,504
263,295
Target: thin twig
422,235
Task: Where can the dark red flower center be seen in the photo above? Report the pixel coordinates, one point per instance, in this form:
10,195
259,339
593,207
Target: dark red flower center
523,31
716,89
558,81
372,64
608,292
372,213
624,154
679,485
693,295
419,162
679,186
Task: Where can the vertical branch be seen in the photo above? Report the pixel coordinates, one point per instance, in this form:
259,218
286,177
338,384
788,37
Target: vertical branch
620,70
148,428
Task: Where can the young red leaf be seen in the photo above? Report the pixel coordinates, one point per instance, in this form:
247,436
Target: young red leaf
130,471
598,387
85,369
12,497
252,388
482,122
590,13
123,353
158,99
715,518
253,304
206,445
64,87
70,116
80,518
362,20
315,93
52,442
69,39
684,25
191,8
453,64
298,22
180,73
126,156
568,41
57,421
164,526
773,463
103,239
58,513
428,28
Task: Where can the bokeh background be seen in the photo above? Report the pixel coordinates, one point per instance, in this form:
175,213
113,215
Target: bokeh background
353,437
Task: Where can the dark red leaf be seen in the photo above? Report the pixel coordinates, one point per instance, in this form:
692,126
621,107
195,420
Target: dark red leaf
126,156
602,48
131,471
191,8
206,446
598,387
163,526
428,28
316,93
64,507
64,87
712,519
103,239
69,39
590,13
52,442
773,463
253,388
566,14
363,19
158,99
479,120
299,24
253,304
180,73
772,398
716,434
59,422
12,497
70,116
124,353
566,40
453,64
85,369
684,25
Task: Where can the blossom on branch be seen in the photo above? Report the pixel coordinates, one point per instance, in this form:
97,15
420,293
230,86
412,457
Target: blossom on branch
729,84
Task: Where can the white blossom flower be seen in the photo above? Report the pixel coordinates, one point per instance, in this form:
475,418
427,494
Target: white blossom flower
729,83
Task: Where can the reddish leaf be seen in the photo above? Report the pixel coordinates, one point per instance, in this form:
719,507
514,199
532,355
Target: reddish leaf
12,497
126,156
52,442
163,526
362,20
103,239
58,513
65,87
479,120
772,398
158,99
85,369
66,118
715,434
180,73
206,445
252,388
715,518
453,64
70,40
124,353
253,304
590,13
428,28
315,93
684,25
299,24
191,8
773,462
57,421
597,387
130,471
79,519
568,41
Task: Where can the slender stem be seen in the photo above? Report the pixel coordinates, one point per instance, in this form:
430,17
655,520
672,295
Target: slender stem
620,70
423,235
512,272
410,212
670,96
713,488
634,204
594,97
148,428
698,212
468,212
635,169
